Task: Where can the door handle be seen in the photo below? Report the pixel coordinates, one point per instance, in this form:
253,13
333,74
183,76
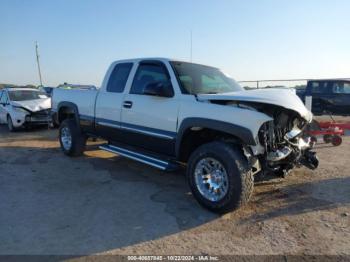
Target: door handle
127,104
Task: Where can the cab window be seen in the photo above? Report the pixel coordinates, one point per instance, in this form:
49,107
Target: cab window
319,87
118,78
341,88
148,73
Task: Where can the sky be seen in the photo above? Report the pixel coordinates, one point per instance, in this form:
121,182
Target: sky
249,40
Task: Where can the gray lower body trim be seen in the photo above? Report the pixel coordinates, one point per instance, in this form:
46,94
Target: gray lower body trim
137,129
163,165
101,123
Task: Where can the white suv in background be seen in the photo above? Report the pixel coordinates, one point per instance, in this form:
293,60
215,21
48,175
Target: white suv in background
20,107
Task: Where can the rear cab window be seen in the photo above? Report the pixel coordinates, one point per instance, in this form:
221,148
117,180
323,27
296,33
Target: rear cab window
119,77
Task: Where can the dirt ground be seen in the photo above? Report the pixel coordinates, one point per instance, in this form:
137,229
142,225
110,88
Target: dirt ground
104,204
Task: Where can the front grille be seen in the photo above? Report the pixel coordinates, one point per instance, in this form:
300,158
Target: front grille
41,116
41,113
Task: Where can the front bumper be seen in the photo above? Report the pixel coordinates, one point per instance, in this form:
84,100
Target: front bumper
31,118
37,120
296,153
309,159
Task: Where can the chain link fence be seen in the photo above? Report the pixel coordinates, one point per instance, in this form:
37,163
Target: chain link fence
290,83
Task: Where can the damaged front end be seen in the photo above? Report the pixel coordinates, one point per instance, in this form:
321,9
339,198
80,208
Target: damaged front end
284,144
280,142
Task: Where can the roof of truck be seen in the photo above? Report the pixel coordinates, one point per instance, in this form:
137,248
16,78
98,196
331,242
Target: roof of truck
146,58
162,59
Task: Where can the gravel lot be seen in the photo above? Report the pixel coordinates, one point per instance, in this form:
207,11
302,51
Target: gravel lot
105,204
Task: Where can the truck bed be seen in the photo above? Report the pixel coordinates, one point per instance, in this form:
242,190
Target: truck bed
84,99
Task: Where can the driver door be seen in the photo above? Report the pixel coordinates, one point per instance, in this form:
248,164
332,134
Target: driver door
150,121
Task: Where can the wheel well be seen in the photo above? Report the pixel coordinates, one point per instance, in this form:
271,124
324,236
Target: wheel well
64,113
195,137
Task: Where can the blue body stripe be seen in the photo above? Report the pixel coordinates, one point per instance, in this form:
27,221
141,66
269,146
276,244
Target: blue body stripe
137,127
154,130
85,117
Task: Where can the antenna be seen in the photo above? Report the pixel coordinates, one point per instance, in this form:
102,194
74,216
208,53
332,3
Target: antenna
38,62
191,45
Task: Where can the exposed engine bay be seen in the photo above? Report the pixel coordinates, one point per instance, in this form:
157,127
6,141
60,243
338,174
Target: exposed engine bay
285,145
284,141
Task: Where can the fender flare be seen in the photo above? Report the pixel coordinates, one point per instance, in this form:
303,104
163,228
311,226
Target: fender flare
240,132
72,106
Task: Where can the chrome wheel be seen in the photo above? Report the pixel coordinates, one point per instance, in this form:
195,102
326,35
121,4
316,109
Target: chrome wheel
211,179
66,138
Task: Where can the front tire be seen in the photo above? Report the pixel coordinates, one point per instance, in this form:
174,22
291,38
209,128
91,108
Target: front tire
10,124
54,122
219,177
72,141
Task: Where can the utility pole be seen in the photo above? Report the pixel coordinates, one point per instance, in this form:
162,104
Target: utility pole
38,62
191,46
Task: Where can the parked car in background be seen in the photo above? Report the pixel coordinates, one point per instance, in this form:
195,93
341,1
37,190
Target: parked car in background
168,114
21,107
328,96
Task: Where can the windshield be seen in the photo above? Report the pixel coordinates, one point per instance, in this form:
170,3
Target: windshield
199,79
23,95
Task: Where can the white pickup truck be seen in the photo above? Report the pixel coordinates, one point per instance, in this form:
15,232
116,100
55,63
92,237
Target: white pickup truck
168,113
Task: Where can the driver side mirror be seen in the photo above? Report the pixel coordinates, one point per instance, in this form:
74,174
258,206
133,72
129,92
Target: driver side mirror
160,88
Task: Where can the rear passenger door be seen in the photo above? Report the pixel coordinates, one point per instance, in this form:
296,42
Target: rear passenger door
109,102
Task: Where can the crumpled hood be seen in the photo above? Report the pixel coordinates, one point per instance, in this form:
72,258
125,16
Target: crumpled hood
34,105
275,96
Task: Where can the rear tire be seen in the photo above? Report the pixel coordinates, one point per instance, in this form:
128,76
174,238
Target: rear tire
238,177
72,141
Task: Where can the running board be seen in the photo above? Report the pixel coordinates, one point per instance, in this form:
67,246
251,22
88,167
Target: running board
149,160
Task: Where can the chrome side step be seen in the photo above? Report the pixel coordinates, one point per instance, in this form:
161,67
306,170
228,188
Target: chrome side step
149,160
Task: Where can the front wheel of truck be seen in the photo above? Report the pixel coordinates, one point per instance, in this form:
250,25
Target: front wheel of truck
219,177
72,141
